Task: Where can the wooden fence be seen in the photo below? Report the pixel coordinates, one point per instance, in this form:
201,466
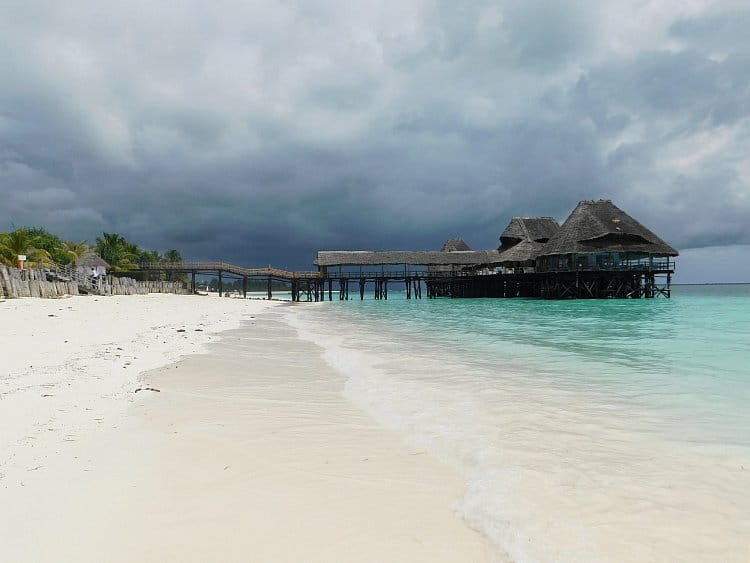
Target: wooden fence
34,283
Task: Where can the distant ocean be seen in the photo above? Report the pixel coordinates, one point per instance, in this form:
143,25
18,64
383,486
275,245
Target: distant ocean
601,430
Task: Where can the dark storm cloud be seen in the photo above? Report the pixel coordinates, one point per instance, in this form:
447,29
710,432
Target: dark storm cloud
259,132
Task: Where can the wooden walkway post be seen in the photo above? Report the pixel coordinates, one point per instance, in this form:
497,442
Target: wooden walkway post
221,285
244,287
270,293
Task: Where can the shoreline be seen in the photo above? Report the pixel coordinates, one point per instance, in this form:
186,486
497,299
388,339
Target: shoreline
249,450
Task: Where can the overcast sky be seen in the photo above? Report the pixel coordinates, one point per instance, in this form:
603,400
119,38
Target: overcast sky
260,131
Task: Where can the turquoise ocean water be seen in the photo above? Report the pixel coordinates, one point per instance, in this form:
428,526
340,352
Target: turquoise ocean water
607,430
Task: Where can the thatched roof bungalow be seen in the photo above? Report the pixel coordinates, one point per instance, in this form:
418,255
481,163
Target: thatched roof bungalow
524,239
91,264
598,235
537,229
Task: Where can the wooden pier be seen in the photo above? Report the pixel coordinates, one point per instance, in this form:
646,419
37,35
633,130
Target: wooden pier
632,284
298,281
635,282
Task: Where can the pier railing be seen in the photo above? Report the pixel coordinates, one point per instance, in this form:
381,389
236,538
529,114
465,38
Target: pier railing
188,267
661,266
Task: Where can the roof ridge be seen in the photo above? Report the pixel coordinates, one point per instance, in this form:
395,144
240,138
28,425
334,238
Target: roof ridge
596,219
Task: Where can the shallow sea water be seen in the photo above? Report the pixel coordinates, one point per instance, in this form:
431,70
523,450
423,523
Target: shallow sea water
610,430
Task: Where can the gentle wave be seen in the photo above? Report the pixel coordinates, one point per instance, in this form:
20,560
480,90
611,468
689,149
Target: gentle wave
587,431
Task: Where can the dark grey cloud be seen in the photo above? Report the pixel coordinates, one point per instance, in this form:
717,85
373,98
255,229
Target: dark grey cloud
259,132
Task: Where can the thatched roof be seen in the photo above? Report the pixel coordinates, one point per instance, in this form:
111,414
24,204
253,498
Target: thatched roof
539,229
524,251
91,261
601,226
455,245
392,257
524,237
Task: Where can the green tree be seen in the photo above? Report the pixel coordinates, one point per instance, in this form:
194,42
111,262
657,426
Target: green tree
53,244
75,250
20,242
172,256
150,256
121,255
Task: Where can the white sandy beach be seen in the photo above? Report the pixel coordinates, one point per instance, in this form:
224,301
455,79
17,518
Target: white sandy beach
249,452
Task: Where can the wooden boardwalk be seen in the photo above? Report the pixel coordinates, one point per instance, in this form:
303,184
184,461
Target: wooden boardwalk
224,270
304,285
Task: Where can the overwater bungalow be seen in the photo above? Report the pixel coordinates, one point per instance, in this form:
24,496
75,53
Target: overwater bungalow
599,252
598,235
522,241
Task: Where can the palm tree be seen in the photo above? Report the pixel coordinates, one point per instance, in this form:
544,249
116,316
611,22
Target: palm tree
75,250
19,242
45,240
150,256
117,252
172,256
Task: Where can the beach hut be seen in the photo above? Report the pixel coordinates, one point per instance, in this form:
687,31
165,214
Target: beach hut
91,265
522,242
599,236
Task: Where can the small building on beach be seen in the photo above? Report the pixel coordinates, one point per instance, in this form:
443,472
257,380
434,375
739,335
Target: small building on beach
92,265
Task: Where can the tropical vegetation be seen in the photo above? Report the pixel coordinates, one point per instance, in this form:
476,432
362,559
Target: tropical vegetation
45,249
23,242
